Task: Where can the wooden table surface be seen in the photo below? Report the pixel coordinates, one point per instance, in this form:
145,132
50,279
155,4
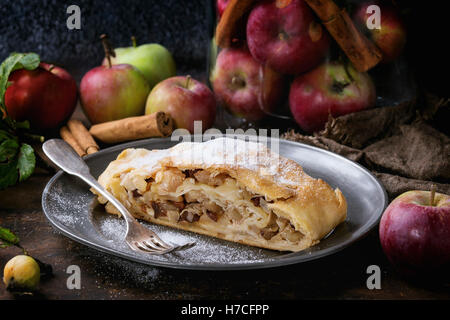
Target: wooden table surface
340,276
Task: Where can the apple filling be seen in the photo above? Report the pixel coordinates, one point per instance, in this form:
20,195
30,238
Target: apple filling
203,200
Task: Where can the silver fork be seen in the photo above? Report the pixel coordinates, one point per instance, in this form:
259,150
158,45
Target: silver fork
137,236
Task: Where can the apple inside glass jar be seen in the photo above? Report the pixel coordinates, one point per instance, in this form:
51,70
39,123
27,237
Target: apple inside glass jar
330,89
245,87
221,6
286,36
390,36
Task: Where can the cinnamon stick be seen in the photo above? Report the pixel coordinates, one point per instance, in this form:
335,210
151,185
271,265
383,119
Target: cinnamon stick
82,136
67,136
157,124
363,54
229,22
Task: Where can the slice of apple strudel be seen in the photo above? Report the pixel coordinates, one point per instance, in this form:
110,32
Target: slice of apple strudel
226,188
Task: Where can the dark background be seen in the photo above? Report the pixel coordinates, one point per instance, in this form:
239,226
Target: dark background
40,26
184,28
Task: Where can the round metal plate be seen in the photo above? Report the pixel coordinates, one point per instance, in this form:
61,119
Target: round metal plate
72,209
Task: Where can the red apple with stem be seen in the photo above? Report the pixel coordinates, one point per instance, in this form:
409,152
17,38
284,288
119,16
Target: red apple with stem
113,92
286,36
415,231
390,37
330,89
45,96
245,87
186,100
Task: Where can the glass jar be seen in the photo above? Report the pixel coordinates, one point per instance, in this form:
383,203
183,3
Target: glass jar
283,66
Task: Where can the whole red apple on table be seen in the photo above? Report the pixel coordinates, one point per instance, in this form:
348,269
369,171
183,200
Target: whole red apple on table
45,96
286,36
331,88
186,100
113,93
415,231
391,38
244,86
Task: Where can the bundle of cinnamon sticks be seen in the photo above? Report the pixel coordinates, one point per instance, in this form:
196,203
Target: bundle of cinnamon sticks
363,54
82,140
79,138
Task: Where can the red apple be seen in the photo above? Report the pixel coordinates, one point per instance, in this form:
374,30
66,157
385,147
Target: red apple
391,37
112,93
244,86
45,96
415,231
221,6
186,100
332,88
286,36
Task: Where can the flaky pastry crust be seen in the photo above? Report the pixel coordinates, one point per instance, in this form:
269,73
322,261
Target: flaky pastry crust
226,188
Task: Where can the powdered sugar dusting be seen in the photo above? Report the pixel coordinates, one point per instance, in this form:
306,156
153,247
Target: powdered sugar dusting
75,209
236,153
206,251
233,152
77,205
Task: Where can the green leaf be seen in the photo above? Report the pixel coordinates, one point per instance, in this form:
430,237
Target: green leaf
8,174
8,236
4,135
15,61
26,161
30,62
8,150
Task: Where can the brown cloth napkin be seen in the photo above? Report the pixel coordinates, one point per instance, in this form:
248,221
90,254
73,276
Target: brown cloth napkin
397,143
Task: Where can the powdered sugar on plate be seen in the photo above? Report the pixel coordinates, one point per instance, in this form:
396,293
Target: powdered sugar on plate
206,251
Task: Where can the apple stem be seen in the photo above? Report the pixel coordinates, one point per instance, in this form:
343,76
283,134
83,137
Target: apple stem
432,194
339,86
188,80
282,36
51,68
133,41
109,51
34,137
24,251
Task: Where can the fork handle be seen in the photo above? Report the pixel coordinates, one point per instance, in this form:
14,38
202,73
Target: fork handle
61,154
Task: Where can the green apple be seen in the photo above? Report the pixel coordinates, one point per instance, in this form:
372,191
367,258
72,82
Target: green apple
153,60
